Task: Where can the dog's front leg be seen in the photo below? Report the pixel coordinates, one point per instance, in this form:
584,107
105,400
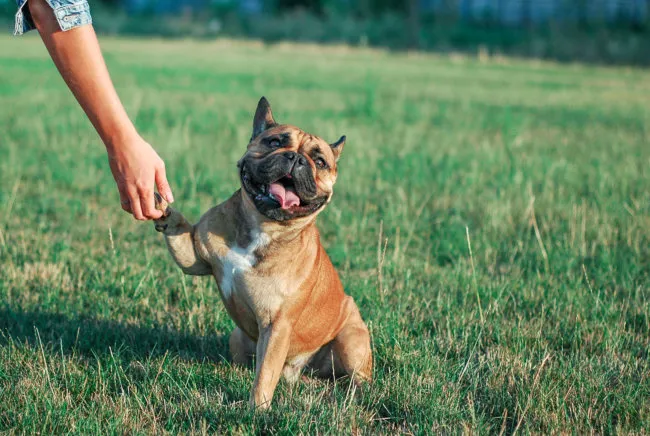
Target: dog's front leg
272,349
179,236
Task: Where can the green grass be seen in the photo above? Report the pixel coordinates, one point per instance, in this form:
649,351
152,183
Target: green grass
543,326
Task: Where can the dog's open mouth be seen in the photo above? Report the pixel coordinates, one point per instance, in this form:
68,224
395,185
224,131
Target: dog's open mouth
280,199
284,192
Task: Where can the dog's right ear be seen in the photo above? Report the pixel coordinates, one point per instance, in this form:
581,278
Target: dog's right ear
263,118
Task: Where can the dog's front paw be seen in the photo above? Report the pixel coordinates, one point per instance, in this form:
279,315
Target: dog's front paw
162,205
259,405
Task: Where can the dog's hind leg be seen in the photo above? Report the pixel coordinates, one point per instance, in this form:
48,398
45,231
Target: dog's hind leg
349,353
242,348
294,366
352,348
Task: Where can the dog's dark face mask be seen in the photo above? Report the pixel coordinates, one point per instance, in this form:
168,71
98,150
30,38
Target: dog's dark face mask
286,172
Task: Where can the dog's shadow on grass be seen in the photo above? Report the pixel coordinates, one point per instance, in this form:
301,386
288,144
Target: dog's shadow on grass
92,338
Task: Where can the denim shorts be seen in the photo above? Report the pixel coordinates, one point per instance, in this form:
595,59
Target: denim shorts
69,14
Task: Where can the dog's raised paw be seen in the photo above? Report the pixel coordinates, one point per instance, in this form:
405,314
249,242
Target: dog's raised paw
161,204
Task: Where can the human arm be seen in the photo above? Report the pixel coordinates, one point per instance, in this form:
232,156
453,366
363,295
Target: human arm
135,165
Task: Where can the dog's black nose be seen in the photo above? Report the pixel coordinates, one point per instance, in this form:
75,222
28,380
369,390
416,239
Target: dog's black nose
290,155
302,160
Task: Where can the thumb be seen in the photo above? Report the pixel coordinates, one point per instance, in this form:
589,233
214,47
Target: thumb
163,185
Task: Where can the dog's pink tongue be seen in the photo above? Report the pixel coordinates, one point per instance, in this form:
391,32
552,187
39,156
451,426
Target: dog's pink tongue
286,197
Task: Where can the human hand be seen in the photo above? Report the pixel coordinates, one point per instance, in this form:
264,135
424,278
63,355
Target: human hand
136,168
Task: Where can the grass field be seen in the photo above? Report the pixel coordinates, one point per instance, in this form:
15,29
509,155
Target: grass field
542,325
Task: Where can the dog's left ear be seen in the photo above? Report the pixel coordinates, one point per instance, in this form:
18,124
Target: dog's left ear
263,118
337,147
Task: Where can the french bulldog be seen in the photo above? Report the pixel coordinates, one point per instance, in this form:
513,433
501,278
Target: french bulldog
264,250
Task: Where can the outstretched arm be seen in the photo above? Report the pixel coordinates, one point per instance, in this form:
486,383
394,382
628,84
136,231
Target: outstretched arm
135,165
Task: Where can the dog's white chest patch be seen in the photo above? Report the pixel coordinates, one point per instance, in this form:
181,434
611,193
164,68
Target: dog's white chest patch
239,260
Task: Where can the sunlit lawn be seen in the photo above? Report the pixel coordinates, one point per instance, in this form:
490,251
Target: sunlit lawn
543,169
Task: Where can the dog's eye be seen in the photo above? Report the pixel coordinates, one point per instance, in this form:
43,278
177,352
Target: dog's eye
320,163
275,143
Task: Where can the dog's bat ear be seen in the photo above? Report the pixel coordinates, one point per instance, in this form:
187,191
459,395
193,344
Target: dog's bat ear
263,118
337,147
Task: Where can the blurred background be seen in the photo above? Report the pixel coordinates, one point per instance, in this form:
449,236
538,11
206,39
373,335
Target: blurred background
600,31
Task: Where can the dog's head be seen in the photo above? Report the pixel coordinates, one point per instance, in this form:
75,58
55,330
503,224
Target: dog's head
286,172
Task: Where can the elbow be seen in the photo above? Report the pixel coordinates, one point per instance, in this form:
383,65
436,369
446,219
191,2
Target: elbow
42,15
188,261
196,269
